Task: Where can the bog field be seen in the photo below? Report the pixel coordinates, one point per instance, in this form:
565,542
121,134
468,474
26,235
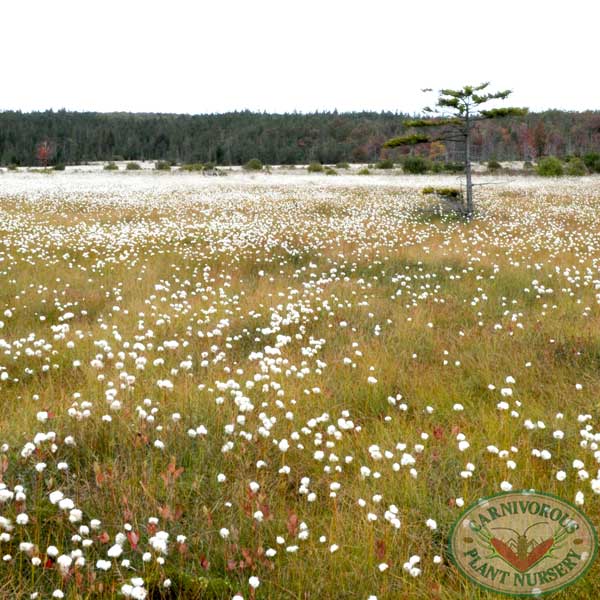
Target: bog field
288,385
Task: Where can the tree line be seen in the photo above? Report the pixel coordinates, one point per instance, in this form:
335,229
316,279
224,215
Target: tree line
65,137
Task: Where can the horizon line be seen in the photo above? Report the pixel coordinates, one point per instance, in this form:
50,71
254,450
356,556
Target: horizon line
258,112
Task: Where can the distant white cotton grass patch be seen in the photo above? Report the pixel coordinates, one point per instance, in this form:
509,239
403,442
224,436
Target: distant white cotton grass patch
284,384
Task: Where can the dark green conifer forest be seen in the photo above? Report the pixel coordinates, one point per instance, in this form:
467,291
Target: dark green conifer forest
293,138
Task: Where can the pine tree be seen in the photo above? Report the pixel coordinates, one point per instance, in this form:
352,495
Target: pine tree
454,118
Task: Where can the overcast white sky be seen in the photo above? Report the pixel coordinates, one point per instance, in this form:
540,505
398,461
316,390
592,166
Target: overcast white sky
282,55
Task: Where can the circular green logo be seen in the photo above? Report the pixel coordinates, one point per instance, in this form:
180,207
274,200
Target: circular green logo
523,543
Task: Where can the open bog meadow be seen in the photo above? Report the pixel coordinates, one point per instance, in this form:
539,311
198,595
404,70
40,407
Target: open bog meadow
285,386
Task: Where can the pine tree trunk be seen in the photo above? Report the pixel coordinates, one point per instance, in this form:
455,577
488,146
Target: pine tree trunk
469,211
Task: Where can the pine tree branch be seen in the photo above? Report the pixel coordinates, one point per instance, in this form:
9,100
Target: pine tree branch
432,122
449,102
409,140
510,111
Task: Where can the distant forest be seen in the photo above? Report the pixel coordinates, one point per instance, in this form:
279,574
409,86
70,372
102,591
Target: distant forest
294,138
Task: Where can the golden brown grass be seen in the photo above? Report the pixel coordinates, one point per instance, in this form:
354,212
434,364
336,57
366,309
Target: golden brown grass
117,475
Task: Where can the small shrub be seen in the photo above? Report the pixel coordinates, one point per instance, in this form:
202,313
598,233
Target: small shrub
453,167
133,166
592,161
12,167
448,193
364,171
416,165
527,165
385,164
494,165
437,167
330,171
209,166
254,164
576,168
315,167
111,166
59,167
162,165
192,167
342,165
550,166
